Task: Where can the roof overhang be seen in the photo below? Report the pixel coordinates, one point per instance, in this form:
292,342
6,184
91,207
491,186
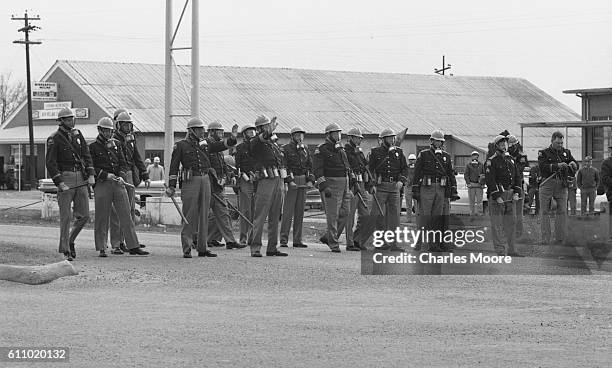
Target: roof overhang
568,124
591,91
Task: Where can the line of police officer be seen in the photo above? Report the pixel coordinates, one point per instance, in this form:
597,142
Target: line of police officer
270,177
74,168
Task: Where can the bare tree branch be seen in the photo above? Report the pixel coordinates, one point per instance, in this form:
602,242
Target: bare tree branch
11,95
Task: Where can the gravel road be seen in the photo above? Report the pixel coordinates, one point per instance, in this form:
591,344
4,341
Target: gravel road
311,309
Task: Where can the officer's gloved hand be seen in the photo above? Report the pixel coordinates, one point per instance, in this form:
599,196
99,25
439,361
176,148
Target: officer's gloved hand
573,165
562,165
147,183
63,187
515,197
399,185
500,200
91,180
170,191
372,189
309,184
327,192
111,176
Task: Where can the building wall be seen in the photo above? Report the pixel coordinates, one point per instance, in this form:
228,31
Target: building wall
67,90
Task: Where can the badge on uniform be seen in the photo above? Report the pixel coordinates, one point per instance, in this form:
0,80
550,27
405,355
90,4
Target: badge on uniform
444,158
564,154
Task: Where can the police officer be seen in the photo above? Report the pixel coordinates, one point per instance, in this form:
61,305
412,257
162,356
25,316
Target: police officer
332,169
556,166
69,164
245,163
433,185
268,193
109,162
192,153
219,223
520,159
361,201
388,165
503,191
298,163
135,172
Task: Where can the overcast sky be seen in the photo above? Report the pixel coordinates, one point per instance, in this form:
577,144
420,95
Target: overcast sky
556,45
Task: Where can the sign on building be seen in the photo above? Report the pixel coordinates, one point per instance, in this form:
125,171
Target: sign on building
44,91
51,114
57,105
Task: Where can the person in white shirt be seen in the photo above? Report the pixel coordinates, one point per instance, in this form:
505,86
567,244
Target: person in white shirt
156,171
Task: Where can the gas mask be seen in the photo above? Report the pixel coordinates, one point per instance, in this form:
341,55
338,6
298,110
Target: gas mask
67,123
197,134
110,144
126,127
298,138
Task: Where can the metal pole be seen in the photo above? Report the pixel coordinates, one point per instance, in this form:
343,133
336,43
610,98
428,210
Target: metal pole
195,58
168,128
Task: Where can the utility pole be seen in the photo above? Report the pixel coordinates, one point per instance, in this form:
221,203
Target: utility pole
27,28
444,68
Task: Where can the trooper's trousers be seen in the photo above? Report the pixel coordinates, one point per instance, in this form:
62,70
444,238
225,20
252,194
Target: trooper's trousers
553,188
195,195
116,235
336,208
80,198
219,222
246,204
268,201
109,194
293,211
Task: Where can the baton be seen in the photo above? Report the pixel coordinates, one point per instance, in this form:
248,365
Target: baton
228,204
177,207
362,201
547,179
378,204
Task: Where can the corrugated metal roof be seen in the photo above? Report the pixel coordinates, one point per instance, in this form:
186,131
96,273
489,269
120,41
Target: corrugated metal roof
472,108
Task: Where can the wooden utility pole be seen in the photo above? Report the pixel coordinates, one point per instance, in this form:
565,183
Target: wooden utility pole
27,28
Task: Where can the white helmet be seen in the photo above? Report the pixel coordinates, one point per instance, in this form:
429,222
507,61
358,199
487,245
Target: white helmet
412,156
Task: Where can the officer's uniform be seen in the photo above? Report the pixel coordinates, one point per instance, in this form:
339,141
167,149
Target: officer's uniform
389,166
195,189
268,194
298,163
520,159
68,160
359,165
503,181
108,158
571,195
433,184
246,195
133,164
219,222
331,169
555,187
533,189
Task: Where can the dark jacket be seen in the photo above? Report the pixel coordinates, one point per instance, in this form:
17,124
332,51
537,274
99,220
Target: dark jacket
297,160
549,160
387,163
502,173
67,151
193,156
473,172
132,157
606,177
244,161
330,160
265,152
108,158
435,165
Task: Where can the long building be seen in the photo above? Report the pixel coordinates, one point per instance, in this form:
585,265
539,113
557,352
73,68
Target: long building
469,110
